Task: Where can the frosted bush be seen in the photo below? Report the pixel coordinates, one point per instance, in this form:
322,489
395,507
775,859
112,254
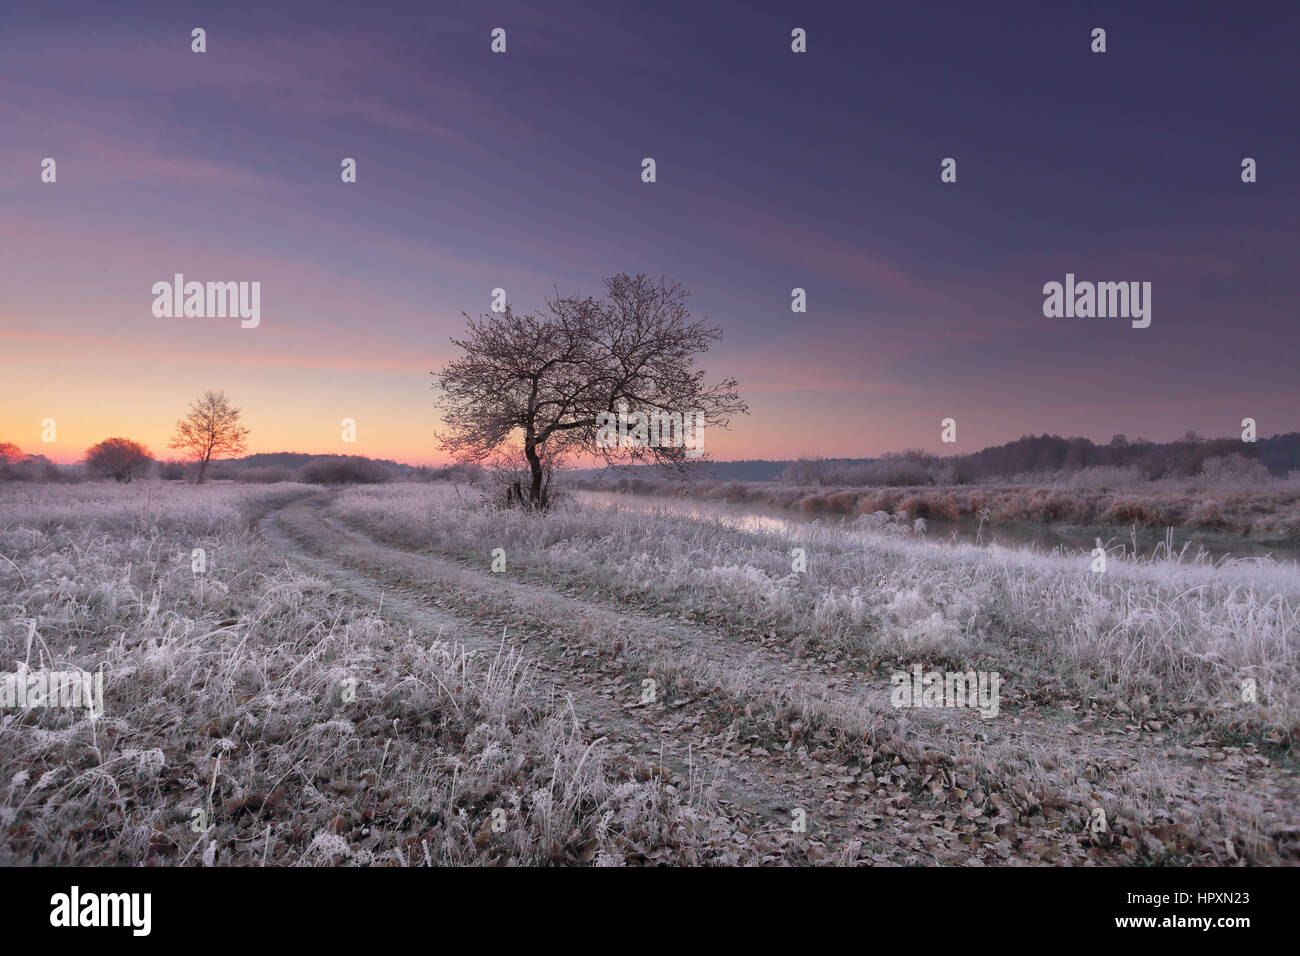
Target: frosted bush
325,846
907,606
746,583
835,611
933,634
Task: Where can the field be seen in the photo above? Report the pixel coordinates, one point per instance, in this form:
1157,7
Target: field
226,739
407,675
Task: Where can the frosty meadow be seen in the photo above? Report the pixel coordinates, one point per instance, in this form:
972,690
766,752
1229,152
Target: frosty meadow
348,681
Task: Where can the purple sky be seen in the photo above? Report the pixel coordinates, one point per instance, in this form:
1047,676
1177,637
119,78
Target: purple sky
775,170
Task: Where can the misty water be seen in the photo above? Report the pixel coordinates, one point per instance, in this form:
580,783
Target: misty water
1149,541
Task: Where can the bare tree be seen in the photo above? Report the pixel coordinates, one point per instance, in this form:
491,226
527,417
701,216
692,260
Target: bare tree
510,472
210,429
805,471
558,377
118,458
13,463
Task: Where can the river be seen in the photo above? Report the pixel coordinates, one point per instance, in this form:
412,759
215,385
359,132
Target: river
1149,541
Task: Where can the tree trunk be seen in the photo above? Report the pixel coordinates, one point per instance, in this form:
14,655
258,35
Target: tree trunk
536,498
203,467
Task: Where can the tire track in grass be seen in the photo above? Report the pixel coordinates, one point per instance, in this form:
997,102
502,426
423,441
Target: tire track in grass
756,787
1079,767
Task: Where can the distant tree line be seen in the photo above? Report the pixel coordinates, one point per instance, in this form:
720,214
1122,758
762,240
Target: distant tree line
1043,455
15,465
124,460
1030,456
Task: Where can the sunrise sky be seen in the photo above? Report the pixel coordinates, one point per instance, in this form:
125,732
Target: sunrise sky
775,170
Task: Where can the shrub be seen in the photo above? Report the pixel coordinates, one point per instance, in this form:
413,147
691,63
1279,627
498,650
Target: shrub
1235,469
118,458
1207,514
915,507
341,471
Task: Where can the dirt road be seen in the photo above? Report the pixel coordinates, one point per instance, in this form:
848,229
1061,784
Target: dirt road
732,719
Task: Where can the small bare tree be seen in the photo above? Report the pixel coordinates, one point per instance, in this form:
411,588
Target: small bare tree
554,379
118,458
210,429
806,471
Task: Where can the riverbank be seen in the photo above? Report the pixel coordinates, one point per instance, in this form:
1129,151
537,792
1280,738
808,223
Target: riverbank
1267,515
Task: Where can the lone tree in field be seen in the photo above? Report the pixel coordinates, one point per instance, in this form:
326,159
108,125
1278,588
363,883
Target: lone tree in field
210,429
558,379
118,458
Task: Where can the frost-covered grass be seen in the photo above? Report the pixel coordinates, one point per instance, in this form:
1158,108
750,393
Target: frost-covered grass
253,715
1173,634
